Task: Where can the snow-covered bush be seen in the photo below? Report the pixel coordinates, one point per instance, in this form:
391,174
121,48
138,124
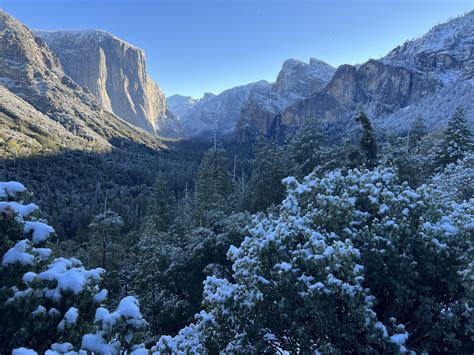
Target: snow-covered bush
52,303
456,181
354,261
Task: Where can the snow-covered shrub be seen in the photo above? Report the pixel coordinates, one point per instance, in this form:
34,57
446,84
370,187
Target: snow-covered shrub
353,262
47,302
456,181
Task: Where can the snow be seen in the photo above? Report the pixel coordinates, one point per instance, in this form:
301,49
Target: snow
41,231
20,209
62,347
24,351
40,310
71,315
453,38
284,266
96,343
51,36
10,189
129,307
101,296
18,254
70,276
399,339
70,318
44,253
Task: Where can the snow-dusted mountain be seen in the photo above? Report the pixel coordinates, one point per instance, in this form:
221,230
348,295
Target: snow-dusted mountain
221,112
428,76
116,74
446,51
180,105
296,81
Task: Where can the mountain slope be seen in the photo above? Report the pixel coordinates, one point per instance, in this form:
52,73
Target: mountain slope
115,72
219,112
181,105
427,76
26,131
30,70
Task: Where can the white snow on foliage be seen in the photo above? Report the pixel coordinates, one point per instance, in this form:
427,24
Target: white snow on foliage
60,281
70,318
127,312
18,254
10,189
97,344
41,231
128,307
20,209
24,351
101,296
61,348
70,276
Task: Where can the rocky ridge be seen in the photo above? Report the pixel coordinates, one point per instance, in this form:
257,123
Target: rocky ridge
428,76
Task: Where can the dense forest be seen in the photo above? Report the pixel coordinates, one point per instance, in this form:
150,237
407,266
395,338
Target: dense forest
304,245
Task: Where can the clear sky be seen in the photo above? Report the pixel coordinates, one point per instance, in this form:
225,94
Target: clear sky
198,46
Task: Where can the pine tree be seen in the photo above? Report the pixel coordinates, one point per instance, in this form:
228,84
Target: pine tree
457,140
161,205
105,230
306,148
213,185
417,131
269,168
368,144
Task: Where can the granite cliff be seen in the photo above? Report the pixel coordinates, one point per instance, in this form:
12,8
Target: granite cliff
115,73
32,76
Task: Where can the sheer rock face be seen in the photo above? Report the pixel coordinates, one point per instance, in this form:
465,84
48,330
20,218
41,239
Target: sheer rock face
30,70
296,81
115,72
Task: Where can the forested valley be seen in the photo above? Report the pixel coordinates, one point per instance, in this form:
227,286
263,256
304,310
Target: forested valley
261,246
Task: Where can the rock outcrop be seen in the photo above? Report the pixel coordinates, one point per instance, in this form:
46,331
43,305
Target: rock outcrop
429,76
115,72
30,70
296,81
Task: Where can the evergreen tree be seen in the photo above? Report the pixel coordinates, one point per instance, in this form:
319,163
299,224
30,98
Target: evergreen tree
161,205
213,184
105,230
457,140
417,131
106,249
306,148
368,144
269,168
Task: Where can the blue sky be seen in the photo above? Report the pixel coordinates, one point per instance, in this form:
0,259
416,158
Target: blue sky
201,46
